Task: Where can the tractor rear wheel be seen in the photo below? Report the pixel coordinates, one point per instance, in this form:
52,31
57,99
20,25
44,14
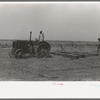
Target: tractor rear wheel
42,51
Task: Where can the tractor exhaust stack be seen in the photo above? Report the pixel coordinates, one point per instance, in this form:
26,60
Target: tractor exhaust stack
30,35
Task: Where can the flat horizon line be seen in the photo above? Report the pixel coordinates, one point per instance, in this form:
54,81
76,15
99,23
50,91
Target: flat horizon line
48,40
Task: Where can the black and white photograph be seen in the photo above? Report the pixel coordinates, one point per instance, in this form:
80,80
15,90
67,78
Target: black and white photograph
49,41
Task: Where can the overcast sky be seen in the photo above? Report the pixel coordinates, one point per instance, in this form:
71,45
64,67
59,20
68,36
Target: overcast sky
58,21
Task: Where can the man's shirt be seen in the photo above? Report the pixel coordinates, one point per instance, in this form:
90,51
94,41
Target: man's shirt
41,37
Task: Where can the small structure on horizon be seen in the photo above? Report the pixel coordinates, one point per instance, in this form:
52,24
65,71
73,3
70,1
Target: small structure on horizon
98,47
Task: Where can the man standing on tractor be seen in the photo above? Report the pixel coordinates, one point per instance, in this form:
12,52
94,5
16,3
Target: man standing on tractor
41,36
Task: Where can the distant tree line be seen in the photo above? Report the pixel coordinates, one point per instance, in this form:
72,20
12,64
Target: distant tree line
73,44
5,45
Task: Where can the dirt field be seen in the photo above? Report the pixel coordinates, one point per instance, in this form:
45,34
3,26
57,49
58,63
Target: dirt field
53,68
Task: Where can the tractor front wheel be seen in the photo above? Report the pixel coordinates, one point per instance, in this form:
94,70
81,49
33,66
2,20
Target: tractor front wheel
19,54
11,53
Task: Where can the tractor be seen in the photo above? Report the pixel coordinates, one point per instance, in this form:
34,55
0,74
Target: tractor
34,48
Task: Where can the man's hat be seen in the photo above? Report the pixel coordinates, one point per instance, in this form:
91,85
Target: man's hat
98,39
40,31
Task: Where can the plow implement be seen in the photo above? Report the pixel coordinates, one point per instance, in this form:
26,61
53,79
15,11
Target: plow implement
75,55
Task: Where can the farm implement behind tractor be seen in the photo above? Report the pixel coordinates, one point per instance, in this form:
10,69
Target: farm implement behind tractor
75,55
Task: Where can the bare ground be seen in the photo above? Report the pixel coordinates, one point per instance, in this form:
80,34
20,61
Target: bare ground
53,68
